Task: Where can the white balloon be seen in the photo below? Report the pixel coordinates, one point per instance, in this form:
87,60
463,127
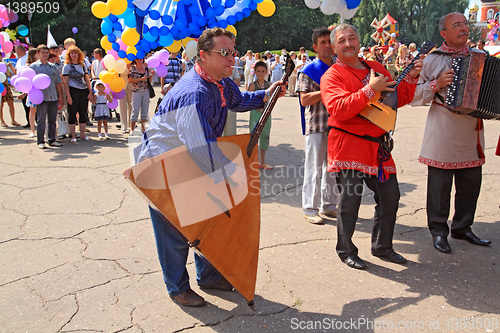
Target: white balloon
313,4
2,77
333,3
327,9
109,62
349,13
342,8
5,35
191,49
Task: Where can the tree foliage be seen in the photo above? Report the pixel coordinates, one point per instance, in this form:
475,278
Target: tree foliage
418,19
290,27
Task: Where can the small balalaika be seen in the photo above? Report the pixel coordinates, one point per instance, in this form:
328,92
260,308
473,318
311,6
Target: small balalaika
474,90
381,109
220,221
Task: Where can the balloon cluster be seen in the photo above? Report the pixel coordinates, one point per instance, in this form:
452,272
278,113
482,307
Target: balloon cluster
3,77
132,28
7,16
493,33
113,83
159,61
28,81
5,44
346,8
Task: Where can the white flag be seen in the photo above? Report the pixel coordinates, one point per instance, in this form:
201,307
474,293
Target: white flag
50,39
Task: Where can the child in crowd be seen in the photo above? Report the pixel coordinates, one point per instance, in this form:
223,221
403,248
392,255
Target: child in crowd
260,83
102,112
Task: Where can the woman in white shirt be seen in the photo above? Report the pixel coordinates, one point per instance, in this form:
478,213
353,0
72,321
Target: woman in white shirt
249,61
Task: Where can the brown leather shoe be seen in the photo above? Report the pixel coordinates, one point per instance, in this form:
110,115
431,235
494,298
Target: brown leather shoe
222,284
189,298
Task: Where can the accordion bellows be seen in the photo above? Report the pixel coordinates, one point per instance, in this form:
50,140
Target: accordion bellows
474,90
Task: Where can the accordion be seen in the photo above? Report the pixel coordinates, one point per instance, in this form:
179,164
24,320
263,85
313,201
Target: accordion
475,87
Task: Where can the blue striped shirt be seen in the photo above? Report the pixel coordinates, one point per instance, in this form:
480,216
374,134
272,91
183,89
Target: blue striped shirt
191,115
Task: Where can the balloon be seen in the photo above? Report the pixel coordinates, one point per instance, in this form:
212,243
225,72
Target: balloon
117,84
41,81
3,67
130,36
2,89
35,96
349,13
2,77
191,49
100,9
13,79
120,66
109,61
326,8
74,30
174,47
118,95
232,29
266,8
162,55
161,70
123,46
106,77
351,4
113,104
106,45
23,84
153,62
131,50
117,7
22,30
113,53
27,73
313,4
8,47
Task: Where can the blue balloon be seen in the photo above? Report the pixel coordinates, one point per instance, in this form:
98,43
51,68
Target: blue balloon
106,28
223,24
212,23
219,10
175,32
150,38
130,57
140,12
117,34
193,28
239,16
125,13
154,14
117,26
187,2
210,13
145,29
215,3
246,12
164,31
122,54
252,6
231,19
113,18
167,20
130,21
155,31
351,4
165,40
146,46
201,21
153,45
111,38
258,1
1,88
115,46
229,3
139,54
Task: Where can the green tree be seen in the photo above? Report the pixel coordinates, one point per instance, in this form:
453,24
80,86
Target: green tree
290,27
418,19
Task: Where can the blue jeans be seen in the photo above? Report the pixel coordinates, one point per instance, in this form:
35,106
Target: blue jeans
173,253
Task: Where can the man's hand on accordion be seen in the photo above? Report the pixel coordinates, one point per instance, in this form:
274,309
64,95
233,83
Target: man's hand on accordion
445,79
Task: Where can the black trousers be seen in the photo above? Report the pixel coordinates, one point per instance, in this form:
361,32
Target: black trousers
26,109
467,188
350,186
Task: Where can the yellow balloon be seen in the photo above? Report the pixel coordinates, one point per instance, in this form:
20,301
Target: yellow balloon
131,49
266,8
102,73
117,84
117,7
114,75
232,29
106,45
106,77
187,40
99,9
175,47
130,37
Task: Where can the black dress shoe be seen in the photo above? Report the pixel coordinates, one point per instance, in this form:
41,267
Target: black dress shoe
441,244
471,238
354,262
392,256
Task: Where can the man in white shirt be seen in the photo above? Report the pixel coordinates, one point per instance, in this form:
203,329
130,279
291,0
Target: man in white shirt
21,61
97,65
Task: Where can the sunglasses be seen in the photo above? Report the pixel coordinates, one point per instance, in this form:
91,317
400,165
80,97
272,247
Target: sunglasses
225,52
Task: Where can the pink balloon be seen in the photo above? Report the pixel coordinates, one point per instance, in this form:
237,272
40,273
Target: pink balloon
163,55
113,53
161,70
4,92
41,81
118,95
123,46
28,73
35,96
153,62
23,84
8,47
3,67
113,104
107,89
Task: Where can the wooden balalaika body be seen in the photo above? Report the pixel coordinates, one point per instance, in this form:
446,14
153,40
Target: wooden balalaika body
221,221
475,87
382,109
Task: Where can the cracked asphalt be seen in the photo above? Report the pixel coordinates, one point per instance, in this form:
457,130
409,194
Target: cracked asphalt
78,253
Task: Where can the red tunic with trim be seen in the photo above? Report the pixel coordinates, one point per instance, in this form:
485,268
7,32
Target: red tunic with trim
345,92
